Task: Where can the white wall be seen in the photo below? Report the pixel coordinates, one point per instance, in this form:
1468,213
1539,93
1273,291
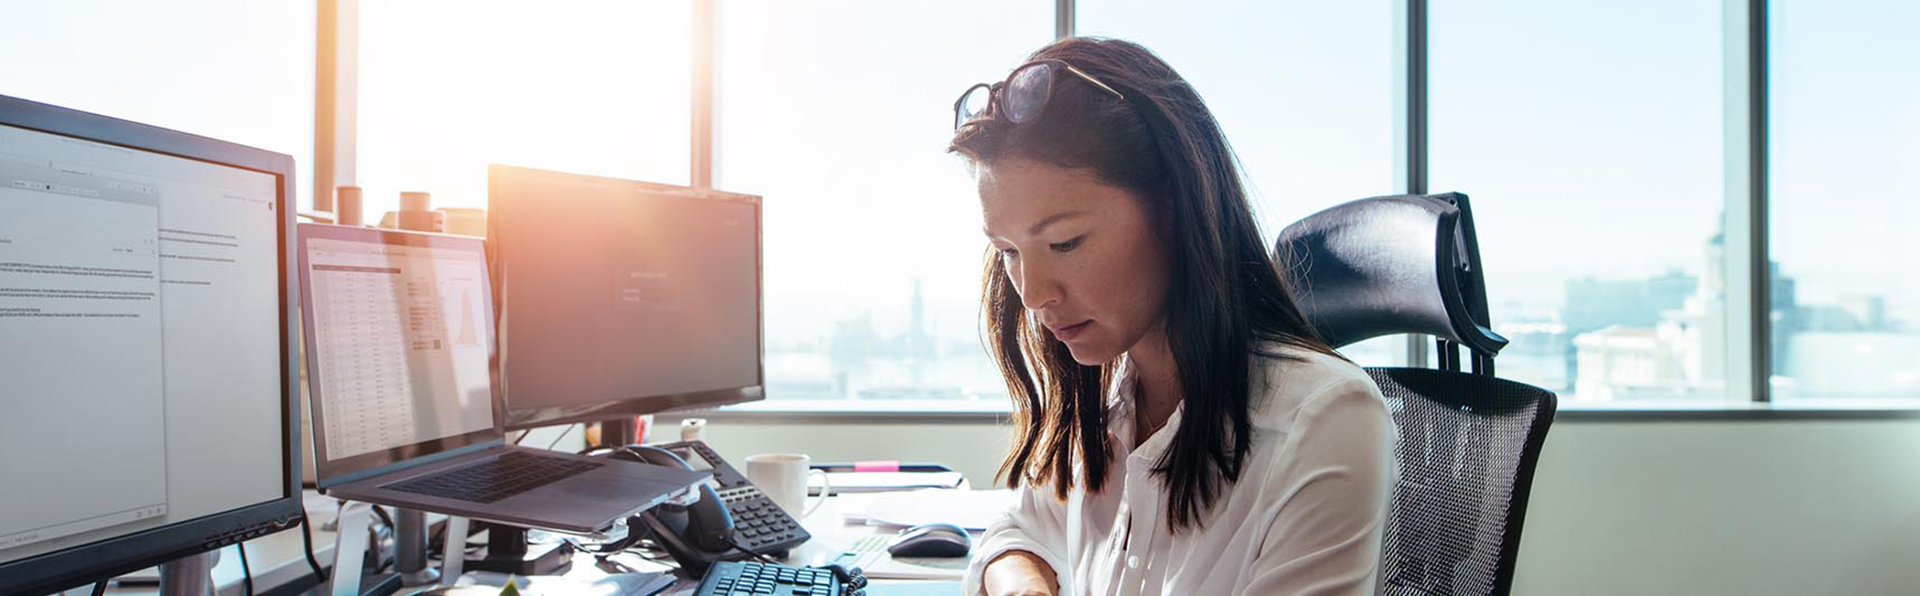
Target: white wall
1697,507
1765,507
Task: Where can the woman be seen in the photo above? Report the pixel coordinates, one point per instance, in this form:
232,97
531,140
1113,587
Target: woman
1178,427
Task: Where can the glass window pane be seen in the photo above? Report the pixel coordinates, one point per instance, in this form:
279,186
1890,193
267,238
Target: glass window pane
1588,135
588,86
1303,90
1845,138
234,70
839,114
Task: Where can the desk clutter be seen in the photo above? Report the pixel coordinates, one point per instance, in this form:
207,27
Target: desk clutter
850,540
415,360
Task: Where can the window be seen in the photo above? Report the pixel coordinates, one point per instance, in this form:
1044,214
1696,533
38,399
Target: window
839,113
1591,137
1844,193
233,70
587,86
1588,135
1303,90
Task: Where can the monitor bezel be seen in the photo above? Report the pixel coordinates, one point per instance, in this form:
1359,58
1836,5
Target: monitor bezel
502,179
330,472
86,563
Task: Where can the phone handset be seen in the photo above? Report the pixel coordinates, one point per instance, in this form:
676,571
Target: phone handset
695,535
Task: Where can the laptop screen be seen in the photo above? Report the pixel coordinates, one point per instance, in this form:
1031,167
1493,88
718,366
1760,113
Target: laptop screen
399,346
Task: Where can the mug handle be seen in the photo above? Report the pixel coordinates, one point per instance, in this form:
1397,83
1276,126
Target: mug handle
826,490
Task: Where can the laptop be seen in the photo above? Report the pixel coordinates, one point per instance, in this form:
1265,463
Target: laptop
403,385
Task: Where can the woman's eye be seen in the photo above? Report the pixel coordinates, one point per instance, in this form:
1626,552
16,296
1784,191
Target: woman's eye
1066,246
1008,253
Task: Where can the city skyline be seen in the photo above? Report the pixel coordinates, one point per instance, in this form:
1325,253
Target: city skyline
1657,337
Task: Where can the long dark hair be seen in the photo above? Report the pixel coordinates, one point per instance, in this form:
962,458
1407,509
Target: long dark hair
1225,294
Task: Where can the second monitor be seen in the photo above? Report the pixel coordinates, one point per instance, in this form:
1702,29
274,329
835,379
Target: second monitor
619,298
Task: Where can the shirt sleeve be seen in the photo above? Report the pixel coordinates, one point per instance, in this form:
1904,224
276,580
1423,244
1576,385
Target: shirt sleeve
1331,496
1036,524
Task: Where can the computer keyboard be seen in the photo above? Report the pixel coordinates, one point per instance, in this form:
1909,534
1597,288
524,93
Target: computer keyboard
512,473
744,577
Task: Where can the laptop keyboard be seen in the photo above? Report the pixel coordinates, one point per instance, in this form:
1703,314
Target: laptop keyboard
512,473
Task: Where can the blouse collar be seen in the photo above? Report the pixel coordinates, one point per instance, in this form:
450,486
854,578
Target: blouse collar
1120,412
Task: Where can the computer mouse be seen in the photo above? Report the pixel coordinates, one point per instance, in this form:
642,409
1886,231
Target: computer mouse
931,540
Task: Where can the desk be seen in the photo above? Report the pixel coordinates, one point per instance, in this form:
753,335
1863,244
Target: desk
279,560
831,536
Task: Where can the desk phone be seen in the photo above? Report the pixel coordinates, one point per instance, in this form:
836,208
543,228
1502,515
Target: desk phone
759,523
731,515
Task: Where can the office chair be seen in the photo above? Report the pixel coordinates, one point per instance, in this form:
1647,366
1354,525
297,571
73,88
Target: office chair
1468,441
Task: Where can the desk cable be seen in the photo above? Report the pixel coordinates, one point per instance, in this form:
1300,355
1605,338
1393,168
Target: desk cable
563,435
306,538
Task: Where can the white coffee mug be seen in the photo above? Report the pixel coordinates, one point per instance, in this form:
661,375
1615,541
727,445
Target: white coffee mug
783,477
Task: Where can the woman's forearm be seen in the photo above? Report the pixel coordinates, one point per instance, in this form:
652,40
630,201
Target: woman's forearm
1019,573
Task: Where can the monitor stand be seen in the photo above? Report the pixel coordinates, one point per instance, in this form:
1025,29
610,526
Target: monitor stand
618,432
349,556
410,544
191,575
507,552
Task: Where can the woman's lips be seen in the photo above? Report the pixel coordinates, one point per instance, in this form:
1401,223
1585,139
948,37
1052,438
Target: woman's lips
1069,332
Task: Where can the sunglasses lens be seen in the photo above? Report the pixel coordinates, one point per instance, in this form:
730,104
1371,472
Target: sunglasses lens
974,104
1026,94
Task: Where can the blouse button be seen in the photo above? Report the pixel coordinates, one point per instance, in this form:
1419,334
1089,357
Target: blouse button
1133,562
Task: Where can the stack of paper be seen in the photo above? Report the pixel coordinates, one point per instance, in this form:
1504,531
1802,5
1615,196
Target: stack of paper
970,509
871,482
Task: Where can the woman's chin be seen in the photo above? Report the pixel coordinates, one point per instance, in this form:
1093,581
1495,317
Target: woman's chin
1088,355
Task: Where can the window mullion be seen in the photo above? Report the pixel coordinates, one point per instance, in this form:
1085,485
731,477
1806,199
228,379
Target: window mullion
1746,263
1063,14
1410,119
706,71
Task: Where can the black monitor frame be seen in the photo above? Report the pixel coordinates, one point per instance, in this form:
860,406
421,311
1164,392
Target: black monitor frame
102,559
502,177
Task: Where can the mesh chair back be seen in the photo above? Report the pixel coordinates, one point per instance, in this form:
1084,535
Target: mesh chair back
1468,444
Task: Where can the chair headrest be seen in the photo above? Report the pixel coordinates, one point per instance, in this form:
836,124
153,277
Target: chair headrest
1390,265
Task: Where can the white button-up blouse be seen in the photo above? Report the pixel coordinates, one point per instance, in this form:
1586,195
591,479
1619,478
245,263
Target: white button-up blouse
1305,517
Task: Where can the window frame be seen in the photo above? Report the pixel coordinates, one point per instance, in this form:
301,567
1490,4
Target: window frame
1745,73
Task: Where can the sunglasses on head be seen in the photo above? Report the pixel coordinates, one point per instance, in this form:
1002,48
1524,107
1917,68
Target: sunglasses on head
1022,96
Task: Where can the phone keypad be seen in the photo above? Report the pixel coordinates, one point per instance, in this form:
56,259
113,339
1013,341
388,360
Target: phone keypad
759,523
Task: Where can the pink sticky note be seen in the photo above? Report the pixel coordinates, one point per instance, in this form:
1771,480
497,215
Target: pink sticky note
876,466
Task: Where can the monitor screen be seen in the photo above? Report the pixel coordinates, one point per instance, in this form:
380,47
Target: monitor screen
620,297
142,318
400,335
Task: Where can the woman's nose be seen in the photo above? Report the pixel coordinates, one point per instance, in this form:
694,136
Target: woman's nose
1038,290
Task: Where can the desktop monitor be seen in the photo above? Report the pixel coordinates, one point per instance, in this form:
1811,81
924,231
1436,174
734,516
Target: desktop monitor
146,346
619,298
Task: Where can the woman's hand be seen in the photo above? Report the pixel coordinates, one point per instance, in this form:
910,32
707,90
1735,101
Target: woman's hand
1019,573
